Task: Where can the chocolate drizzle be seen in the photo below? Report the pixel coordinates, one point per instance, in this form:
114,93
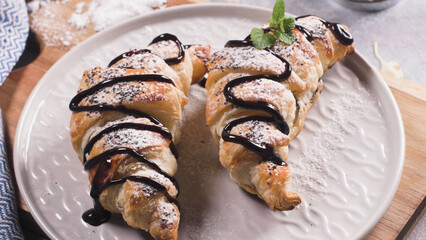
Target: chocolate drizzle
160,38
343,35
266,151
171,37
101,179
128,54
74,104
128,125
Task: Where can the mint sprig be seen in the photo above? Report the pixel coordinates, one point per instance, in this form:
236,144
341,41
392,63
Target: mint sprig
280,27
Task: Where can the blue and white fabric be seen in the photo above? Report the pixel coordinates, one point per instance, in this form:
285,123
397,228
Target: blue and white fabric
13,36
9,222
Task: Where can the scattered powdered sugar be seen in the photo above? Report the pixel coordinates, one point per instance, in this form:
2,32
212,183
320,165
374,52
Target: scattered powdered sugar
245,58
65,23
316,28
105,13
260,90
315,166
259,132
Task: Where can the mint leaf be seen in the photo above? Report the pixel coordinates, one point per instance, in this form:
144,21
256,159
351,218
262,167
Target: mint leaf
279,24
288,23
272,22
260,39
287,38
278,11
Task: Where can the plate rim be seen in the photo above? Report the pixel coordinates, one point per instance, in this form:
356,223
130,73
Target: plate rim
20,129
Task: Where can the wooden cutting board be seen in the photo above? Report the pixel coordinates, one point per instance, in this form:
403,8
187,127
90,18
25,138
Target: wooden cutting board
410,96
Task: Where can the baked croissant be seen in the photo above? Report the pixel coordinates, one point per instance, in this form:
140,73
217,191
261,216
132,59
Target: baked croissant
124,122
258,99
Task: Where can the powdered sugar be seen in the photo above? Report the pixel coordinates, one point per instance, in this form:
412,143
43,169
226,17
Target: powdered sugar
65,23
105,13
246,58
259,132
316,28
315,166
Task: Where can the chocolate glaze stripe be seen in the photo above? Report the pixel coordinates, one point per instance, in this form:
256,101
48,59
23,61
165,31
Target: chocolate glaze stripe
115,151
162,37
73,106
244,43
171,37
127,125
267,151
128,54
305,33
98,215
259,105
112,81
343,35
96,193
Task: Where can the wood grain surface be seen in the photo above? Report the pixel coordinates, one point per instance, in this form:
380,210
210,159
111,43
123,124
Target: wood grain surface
410,96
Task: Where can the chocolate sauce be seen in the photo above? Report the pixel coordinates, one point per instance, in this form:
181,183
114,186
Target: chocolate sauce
203,82
266,151
162,37
338,30
128,125
171,37
101,179
128,54
305,32
109,82
96,215
115,151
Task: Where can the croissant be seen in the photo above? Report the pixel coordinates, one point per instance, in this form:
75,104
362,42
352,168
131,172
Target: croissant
258,99
124,122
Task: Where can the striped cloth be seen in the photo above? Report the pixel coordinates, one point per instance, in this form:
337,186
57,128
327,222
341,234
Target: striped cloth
9,222
13,35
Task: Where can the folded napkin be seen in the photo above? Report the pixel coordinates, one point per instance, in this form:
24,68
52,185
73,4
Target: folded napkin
13,36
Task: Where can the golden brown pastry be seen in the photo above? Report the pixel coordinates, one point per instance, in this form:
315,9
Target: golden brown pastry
258,100
124,122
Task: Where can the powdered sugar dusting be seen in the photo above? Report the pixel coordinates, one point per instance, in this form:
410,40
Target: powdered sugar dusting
260,90
246,58
316,28
315,166
132,138
165,49
259,132
65,23
141,60
105,13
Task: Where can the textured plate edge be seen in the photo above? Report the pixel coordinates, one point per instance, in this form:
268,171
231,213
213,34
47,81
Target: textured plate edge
401,154
184,9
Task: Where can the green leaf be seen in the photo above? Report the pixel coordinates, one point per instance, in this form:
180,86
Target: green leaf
287,38
278,11
260,39
272,22
288,23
